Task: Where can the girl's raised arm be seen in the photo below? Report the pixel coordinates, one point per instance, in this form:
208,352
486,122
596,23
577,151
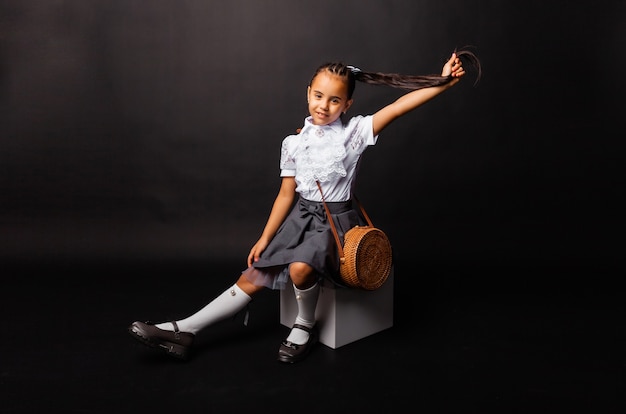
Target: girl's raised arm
413,99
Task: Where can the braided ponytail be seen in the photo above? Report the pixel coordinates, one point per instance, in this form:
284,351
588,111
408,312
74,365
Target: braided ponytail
395,80
413,82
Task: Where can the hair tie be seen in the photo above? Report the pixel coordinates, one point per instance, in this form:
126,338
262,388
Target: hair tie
354,69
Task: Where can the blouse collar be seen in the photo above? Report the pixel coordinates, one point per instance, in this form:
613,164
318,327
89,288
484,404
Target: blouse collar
336,126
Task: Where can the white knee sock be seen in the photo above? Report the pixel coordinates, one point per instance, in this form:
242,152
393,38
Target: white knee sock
227,304
307,302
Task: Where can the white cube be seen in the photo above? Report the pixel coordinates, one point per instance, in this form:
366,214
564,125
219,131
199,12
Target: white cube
344,315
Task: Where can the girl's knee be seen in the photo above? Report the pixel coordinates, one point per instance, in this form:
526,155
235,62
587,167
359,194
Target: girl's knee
247,286
302,275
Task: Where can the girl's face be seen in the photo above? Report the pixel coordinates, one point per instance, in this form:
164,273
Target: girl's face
328,98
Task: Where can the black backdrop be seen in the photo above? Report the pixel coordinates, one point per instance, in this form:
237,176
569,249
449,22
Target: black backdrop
151,130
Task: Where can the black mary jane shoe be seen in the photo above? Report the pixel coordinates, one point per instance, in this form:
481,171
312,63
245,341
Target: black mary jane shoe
290,352
174,343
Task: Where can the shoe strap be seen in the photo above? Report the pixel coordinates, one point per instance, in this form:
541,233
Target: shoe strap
304,328
176,330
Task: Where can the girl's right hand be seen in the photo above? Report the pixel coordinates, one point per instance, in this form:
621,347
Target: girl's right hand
255,252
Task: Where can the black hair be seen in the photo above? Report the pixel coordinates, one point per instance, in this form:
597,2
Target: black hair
395,80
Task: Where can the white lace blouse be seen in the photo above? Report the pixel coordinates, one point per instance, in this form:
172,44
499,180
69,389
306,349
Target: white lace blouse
328,153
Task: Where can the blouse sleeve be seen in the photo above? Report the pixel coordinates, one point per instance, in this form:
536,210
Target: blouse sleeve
287,163
361,133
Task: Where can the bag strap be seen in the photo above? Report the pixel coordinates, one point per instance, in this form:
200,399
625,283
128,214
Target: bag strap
332,223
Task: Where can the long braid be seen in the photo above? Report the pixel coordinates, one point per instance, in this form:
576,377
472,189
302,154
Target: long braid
395,80
413,82
409,82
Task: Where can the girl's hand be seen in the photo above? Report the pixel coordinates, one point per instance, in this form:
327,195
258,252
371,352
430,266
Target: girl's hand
256,251
453,67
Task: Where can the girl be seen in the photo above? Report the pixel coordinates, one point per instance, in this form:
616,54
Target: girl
297,245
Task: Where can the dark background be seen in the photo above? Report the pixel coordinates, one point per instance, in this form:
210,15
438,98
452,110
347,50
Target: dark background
139,142
152,129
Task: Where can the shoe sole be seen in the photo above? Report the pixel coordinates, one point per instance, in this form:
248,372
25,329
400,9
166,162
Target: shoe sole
175,350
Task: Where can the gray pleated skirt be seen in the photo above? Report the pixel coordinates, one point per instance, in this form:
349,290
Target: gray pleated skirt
305,236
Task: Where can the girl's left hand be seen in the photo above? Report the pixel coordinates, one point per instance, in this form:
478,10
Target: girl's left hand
453,67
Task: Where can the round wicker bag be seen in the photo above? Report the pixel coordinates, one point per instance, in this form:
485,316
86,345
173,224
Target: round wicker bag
365,255
367,258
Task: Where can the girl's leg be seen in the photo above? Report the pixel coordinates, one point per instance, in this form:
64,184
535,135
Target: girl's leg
227,304
176,337
306,290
